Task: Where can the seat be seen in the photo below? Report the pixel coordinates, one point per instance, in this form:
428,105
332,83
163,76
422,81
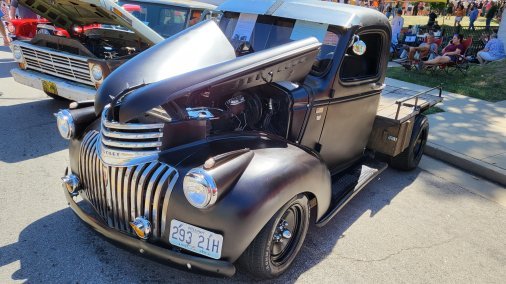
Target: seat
462,64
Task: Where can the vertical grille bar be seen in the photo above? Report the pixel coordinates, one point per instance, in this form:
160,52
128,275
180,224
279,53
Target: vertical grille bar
161,189
120,194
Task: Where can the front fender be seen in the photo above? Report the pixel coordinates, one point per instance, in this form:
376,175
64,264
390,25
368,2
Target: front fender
277,172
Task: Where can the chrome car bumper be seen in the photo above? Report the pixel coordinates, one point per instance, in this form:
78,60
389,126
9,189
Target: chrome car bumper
180,260
69,90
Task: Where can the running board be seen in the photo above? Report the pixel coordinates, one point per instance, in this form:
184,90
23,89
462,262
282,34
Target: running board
348,183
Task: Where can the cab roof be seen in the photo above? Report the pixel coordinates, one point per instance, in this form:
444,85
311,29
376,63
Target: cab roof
325,12
181,3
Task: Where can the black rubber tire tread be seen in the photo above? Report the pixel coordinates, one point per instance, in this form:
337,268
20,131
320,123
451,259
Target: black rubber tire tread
256,260
407,160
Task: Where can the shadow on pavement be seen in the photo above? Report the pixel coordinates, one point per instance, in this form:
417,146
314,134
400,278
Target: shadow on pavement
5,68
60,247
29,130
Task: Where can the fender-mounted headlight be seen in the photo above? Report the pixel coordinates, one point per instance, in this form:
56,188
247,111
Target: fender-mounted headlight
65,123
200,188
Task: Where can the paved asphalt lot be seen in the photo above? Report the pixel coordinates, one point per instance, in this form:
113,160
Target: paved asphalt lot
422,226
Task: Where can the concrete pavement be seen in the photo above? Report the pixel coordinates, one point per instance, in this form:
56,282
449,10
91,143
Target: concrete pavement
470,134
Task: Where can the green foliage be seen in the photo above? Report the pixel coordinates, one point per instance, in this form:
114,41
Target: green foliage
486,82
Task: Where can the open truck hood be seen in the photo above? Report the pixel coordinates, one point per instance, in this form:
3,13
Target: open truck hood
68,13
157,76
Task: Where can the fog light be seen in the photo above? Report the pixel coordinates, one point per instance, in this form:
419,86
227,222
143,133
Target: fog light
65,123
71,184
141,227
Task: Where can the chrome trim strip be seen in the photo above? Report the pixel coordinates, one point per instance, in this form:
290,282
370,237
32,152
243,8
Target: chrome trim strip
51,51
123,135
121,144
129,126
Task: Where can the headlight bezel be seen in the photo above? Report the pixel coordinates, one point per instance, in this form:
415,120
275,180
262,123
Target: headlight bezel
202,178
65,124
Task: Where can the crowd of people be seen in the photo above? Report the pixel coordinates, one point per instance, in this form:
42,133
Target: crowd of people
474,9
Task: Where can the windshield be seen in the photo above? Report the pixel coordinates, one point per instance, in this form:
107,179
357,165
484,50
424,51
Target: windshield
166,20
263,32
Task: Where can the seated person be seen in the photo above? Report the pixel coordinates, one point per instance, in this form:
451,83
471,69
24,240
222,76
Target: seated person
450,53
420,52
494,50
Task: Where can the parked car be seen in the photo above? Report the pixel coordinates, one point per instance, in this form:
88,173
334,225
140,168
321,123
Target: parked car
208,156
101,37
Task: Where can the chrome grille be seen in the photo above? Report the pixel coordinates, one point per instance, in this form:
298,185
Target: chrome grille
122,143
120,194
58,64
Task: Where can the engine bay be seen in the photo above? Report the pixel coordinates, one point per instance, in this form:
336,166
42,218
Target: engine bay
264,108
95,43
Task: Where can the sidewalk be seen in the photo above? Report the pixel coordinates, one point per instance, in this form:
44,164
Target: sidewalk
470,134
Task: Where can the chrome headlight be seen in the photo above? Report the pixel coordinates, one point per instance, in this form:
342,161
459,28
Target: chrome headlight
96,72
18,54
66,124
200,188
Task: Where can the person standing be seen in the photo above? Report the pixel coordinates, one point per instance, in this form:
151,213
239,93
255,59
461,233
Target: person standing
490,15
415,9
3,30
23,12
449,10
388,10
472,17
397,24
459,15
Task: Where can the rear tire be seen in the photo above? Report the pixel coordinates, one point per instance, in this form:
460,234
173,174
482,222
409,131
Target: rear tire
267,258
410,157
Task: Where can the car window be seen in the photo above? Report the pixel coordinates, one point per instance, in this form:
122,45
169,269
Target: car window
363,67
166,20
263,32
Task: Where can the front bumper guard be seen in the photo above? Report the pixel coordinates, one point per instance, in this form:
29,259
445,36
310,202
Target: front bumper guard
180,260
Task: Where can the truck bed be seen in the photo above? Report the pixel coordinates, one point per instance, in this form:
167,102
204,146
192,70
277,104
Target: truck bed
401,103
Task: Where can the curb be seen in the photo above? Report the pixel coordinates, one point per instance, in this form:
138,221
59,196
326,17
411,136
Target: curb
472,165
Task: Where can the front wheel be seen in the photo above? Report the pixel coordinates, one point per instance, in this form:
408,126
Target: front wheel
274,249
410,157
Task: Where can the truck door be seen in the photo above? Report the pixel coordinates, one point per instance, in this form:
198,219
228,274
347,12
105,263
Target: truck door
352,109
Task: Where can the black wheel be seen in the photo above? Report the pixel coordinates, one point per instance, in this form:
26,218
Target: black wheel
410,157
53,96
273,250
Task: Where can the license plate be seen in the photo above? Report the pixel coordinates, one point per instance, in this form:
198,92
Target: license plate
195,239
49,87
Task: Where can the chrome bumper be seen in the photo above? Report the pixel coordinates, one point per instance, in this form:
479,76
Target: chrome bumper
163,255
66,89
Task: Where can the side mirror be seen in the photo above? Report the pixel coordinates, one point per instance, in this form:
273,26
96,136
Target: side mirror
359,47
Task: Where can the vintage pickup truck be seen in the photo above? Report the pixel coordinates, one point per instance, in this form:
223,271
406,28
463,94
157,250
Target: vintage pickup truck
103,35
208,156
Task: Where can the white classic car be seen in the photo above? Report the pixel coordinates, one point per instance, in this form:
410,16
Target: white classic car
102,36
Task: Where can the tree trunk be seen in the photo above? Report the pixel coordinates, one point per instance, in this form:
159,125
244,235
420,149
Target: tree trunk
502,28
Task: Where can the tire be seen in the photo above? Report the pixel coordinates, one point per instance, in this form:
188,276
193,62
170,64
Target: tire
410,157
266,258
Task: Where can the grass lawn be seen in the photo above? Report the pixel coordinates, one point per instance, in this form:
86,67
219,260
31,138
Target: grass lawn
422,20
486,82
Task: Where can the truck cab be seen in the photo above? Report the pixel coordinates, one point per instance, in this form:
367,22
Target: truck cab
223,161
